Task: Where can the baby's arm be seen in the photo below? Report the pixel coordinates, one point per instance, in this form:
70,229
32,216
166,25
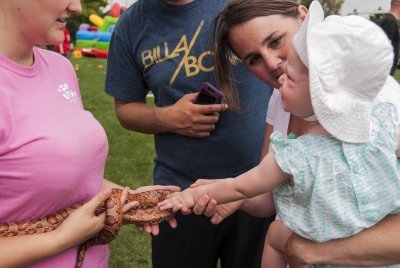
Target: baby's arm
398,145
262,178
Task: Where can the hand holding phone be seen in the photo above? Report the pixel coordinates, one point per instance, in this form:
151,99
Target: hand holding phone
209,94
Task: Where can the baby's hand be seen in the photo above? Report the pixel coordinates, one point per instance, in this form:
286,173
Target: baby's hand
178,201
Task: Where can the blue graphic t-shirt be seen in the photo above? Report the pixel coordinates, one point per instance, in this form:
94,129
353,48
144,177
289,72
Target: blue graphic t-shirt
165,49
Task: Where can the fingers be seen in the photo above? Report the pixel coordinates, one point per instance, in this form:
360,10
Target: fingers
124,195
206,119
205,206
202,182
203,134
216,219
145,228
213,108
173,223
211,207
173,204
139,228
186,210
201,205
173,201
191,97
156,187
124,198
154,229
98,199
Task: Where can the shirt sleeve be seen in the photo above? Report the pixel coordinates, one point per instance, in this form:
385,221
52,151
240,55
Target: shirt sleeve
288,154
271,112
385,126
124,78
389,28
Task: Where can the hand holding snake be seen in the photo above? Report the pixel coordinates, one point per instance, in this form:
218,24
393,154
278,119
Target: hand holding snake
103,224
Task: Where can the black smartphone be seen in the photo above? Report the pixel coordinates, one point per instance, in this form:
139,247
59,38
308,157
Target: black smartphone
209,94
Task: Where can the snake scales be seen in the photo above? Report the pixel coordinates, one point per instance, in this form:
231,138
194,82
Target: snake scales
146,213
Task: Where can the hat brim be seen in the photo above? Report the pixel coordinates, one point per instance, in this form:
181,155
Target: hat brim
333,115
342,99
315,15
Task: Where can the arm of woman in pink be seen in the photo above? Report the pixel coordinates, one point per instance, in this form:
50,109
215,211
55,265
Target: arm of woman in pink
80,226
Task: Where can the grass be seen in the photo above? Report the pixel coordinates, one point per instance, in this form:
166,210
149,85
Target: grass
130,159
397,75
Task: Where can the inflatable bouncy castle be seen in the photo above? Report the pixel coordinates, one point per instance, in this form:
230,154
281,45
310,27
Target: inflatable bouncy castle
94,41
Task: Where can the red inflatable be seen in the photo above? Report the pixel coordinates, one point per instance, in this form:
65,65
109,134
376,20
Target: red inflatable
93,28
101,53
115,11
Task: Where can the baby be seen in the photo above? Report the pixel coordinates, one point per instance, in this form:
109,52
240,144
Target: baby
342,176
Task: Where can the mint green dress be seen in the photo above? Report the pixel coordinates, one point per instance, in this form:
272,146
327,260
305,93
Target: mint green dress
339,188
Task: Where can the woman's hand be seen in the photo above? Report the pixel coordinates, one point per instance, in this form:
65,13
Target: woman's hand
154,229
83,224
210,208
124,198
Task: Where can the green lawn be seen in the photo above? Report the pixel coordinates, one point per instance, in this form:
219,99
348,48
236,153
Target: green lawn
397,75
130,159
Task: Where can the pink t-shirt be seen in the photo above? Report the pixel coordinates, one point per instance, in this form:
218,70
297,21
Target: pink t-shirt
52,151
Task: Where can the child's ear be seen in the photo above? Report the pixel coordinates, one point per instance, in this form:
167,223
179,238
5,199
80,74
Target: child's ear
302,12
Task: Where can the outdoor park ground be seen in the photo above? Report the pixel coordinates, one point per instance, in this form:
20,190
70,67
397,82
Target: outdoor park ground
130,158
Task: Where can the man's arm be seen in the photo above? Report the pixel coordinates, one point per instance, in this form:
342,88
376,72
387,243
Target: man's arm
183,118
376,246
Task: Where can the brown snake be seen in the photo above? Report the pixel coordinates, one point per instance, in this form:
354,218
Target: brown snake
146,213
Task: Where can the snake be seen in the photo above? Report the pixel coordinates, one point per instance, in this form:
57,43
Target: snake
146,213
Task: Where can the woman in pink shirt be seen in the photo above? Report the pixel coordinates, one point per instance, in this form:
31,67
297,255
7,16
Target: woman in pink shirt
52,151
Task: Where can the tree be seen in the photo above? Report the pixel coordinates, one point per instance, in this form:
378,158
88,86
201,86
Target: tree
88,7
306,3
330,6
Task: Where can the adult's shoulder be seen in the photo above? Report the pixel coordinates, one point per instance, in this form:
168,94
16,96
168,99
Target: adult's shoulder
51,58
390,93
388,17
137,12
387,21
276,96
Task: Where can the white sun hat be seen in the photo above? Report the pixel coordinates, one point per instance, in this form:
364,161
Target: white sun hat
349,59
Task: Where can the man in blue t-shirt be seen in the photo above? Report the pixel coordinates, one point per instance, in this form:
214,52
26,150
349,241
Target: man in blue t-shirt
164,47
390,25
